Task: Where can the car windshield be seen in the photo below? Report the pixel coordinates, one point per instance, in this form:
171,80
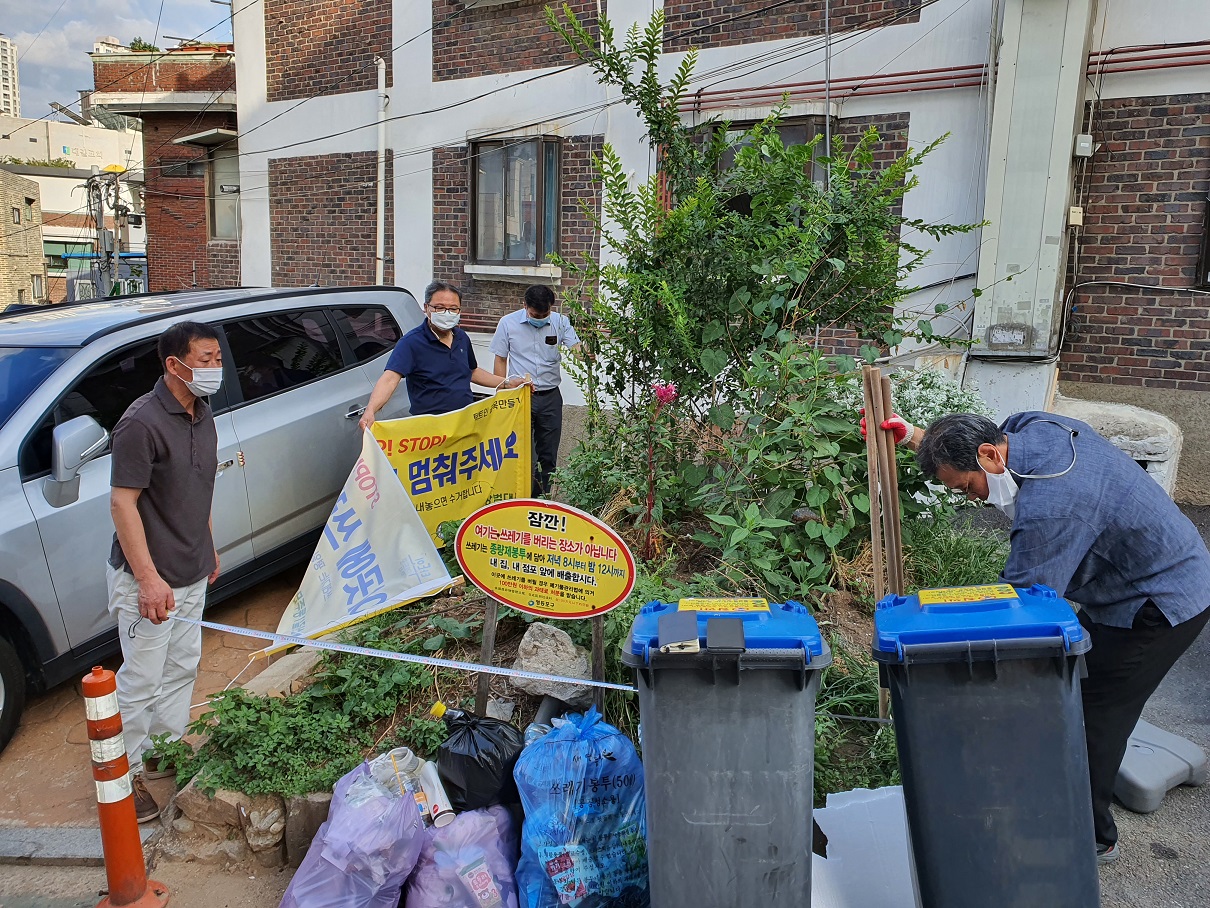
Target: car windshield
22,370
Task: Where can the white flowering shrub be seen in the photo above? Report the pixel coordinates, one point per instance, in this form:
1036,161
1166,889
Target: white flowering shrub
922,395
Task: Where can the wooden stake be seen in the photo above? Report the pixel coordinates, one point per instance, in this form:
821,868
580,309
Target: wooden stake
885,461
486,655
895,547
598,661
871,450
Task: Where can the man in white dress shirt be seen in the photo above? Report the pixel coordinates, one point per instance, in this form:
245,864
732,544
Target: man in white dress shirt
530,342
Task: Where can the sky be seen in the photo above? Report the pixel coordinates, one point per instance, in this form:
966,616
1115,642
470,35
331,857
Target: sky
55,65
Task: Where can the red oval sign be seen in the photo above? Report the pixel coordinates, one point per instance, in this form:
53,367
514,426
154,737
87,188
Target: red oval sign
545,558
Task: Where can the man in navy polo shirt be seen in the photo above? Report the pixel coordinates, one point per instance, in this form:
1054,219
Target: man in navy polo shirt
437,360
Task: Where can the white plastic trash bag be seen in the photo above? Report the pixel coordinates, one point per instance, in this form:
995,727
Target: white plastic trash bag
468,864
364,851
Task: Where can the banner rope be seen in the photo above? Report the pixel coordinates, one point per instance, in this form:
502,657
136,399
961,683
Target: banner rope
290,640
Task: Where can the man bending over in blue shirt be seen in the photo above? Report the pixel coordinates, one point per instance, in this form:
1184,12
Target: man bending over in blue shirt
1089,523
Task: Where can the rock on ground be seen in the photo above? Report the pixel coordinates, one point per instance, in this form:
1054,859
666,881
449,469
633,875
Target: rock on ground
547,650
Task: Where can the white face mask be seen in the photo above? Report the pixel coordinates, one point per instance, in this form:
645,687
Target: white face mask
205,381
444,321
1002,491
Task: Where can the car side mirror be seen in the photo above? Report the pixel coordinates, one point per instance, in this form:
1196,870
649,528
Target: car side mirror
73,444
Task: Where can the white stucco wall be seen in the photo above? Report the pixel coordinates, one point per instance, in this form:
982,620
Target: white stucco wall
949,33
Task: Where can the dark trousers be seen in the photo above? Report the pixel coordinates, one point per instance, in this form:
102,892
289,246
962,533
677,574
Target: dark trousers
1125,666
546,424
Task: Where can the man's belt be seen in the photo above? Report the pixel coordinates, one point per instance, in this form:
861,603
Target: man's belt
546,391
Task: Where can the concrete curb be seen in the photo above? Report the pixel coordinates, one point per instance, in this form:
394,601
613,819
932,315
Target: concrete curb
57,846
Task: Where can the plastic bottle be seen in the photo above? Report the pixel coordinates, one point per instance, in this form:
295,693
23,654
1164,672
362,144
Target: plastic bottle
440,810
440,711
399,769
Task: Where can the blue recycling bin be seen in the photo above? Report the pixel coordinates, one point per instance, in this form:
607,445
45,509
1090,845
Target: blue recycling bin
985,692
727,710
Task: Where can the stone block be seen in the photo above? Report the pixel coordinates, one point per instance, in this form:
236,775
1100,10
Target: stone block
272,857
304,815
549,650
224,809
281,678
264,822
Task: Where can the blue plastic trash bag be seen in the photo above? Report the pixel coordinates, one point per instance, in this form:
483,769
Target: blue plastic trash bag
364,851
468,864
584,840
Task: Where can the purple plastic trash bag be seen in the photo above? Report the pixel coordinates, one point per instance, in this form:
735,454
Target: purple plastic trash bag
468,864
364,851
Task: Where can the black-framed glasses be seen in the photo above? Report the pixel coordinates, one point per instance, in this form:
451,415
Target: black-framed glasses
455,309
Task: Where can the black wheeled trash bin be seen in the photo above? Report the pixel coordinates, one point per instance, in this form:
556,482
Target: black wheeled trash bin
985,691
727,714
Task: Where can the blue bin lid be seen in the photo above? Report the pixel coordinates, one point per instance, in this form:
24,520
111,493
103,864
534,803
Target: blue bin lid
783,626
975,614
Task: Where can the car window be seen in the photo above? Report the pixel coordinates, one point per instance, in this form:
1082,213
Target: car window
281,350
22,370
103,392
370,330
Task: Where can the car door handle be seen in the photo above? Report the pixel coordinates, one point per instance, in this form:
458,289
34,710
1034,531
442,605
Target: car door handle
223,466
355,412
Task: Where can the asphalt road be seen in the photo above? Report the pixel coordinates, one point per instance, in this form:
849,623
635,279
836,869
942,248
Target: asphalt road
1166,855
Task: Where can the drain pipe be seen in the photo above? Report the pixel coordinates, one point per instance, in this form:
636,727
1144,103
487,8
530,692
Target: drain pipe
381,226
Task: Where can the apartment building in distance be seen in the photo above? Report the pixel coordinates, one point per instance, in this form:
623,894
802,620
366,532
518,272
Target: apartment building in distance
10,82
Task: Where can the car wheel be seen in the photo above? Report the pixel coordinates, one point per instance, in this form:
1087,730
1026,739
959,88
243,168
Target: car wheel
12,691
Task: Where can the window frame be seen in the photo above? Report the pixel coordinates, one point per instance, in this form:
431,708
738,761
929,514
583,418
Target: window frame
218,402
541,254
16,215
340,316
814,122
231,380
213,195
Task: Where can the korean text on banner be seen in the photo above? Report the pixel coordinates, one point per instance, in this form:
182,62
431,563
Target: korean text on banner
374,554
452,464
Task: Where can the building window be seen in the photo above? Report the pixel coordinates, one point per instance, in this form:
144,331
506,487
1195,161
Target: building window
29,209
16,215
792,132
20,296
183,169
35,281
56,254
223,195
515,185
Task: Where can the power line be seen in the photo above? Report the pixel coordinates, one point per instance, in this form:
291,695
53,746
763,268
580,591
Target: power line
29,47
156,58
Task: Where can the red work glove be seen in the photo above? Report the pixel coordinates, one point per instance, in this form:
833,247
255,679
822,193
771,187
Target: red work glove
894,423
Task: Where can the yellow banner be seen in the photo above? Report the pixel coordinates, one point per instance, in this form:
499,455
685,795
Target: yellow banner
455,463
956,594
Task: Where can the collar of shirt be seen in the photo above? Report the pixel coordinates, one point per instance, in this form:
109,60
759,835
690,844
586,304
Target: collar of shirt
169,402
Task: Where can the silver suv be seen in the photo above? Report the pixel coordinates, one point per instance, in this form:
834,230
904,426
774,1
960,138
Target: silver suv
299,366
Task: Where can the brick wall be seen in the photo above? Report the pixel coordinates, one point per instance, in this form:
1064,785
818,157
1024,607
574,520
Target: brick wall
164,72
718,23
893,134
322,219
325,47
502,38
20,244
1143,223
179,251
485,301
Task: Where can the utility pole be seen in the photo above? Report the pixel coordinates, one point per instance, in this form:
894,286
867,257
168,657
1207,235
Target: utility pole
104,256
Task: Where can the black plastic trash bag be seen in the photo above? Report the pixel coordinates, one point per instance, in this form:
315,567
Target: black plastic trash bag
476,761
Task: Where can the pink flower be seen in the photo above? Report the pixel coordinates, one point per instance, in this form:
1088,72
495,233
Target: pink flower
665,392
